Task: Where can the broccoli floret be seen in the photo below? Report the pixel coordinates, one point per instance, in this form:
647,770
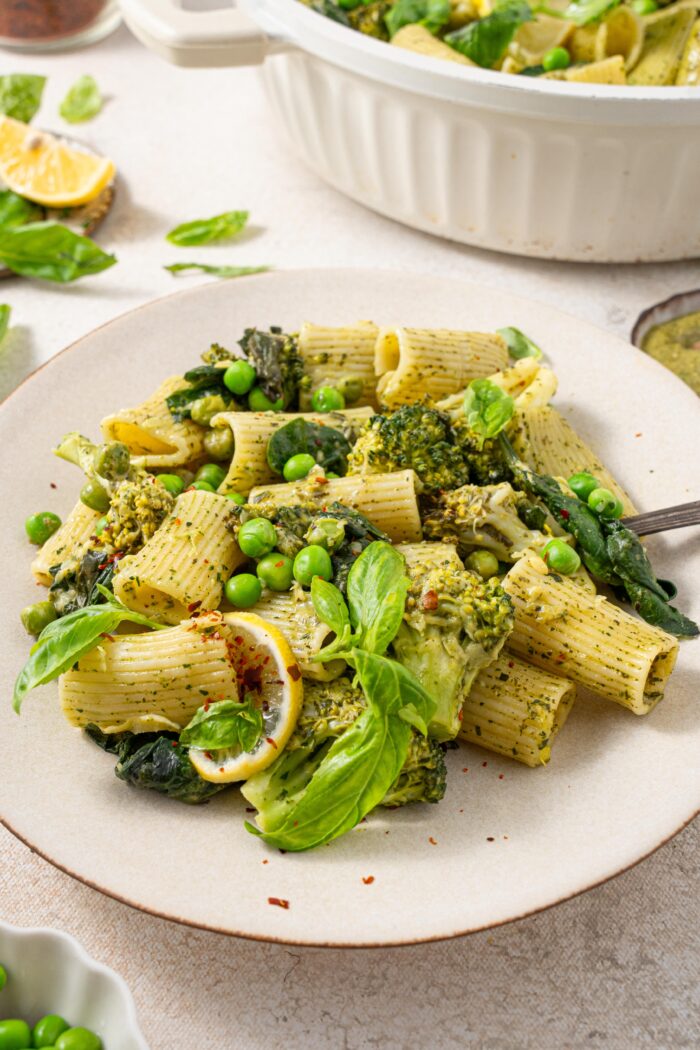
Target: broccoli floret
455,623
487,465
329,709
482,516
368,18
414,437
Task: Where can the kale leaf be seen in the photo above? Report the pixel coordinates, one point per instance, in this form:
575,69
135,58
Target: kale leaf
276,360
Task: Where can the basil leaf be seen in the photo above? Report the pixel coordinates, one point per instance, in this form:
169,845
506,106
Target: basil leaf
64,641
329,447
486,40
20,95
204,231
329,605
5,314
224,724
51,252
519,345
412,716
83,101
376,589
433,14
216,271
583,11
16,211
487,409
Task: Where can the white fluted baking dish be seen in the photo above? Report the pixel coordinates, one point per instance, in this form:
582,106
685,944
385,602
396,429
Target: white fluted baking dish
583,172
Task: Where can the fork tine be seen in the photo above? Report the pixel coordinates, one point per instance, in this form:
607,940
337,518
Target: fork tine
678,517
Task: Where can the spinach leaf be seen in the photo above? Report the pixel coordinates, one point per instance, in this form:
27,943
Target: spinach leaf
204,381
377,588
20,95
5,314
276,360
224,724
67,639
487,409
83,101
329,447
519,345
433,14
486,40
583,11
216,271
204,231
16,211
51,252
658,612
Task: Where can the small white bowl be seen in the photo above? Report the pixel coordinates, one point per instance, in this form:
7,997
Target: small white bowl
50,973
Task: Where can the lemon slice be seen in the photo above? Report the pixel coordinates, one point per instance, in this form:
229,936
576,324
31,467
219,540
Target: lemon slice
267,669
46,170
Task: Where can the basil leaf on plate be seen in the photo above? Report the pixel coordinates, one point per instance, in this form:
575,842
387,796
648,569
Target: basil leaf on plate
83,101
17,211
519,345
51,252
224,724
376,590
486,40
20,95
487,409
205,231
216,271
5,313
433,14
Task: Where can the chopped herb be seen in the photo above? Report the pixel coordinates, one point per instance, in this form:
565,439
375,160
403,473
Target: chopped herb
83,101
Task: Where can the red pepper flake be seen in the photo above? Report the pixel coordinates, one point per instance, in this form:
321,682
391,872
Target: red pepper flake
432,841
484,764
206,705
500,776
465,769
271,742
279,564
294,672
53,485
108,637
430,600
178,521
511,664
321,480
208,754
368,879
490,838
222,769
280,902
638,435
505,837
266,861
565,515
238,639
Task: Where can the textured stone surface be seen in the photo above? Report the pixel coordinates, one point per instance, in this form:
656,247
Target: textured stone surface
616,968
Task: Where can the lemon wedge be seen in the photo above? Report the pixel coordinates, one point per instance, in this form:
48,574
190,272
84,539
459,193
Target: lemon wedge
44,169
266,668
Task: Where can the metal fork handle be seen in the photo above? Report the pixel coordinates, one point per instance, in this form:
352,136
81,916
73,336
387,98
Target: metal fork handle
664,520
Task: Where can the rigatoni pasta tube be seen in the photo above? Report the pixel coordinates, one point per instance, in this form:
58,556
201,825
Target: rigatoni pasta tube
71,540
152,436
422,557
151,681
331,355
187,561
417,38
568,632
387,500
516,710
296,618
415,362
253,430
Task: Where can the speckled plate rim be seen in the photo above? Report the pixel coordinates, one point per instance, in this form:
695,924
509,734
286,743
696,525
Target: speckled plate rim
339,275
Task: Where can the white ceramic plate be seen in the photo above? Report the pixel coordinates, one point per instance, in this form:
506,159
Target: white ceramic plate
506,840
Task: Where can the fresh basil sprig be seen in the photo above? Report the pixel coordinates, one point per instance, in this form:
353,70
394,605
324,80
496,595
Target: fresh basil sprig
433,14
83,101
224,724
206,231
51,252
216,271
16,210
5,314
64,641
487,409
519,345
486,40
20,95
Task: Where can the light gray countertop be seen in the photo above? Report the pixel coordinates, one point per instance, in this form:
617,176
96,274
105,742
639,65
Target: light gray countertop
615,968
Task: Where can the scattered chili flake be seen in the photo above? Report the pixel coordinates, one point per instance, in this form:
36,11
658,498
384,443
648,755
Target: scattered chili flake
500,776
368,879
266,861
505,837
430,600
465,769
109,637
565,515
208,754
511,664
432,841
222,769
206,705
53,484
193,606
490,838
294,672
271,742
279,901
484,764
174,743
178,521
638,435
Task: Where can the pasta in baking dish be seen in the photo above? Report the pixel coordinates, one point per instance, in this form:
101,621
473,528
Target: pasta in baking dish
315,561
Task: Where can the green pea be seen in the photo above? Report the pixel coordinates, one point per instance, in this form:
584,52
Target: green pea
78,1039
47,1030
219,442
15,1035
312,561
582,484
174,484
112,461
260,402
555,58
644,7
257,537
243,590
240,377
328,533
351,388
101,526
297,467
212,473
204,409
484,563
561,557
202,486
38,616
605,504
95,496
39,527
327,399
275,571
236,497
3,977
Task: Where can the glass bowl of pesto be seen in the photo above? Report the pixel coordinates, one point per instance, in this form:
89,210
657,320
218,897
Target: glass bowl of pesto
521,164
669,332
47,972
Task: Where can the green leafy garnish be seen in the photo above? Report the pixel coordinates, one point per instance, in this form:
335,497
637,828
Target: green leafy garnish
51,252
224,724
67,639
487,409
20,95
433,14
16,211
5,314
216,271
376,589
329,447
519,345
83,101
205,231
486,40
584,11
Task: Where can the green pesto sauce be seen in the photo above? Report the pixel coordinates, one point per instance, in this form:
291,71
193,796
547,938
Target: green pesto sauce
676,344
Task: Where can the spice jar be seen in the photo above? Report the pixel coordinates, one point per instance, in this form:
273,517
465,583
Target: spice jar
43,25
